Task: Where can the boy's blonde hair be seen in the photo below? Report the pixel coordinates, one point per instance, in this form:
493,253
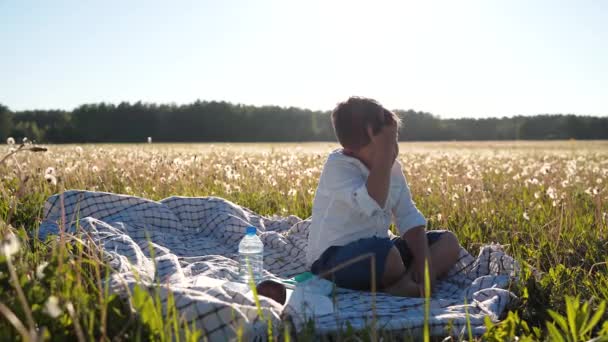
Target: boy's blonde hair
352,117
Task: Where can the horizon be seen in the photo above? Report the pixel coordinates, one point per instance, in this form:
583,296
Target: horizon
464,117
481,59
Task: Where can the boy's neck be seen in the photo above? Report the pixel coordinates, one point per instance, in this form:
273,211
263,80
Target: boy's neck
360,154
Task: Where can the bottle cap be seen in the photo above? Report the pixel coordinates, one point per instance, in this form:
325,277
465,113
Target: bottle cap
251,230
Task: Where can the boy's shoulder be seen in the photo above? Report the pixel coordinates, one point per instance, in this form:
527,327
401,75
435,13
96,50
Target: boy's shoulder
337,158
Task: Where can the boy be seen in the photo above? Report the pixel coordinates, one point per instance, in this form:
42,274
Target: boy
362,187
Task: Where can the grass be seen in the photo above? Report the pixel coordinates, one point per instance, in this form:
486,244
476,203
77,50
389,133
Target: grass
546,201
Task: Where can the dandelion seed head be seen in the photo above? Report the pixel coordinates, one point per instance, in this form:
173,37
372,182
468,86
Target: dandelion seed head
40,270
10,245
552,193
51,179
51,307
10,141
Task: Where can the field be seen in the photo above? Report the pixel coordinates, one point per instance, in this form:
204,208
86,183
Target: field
547,202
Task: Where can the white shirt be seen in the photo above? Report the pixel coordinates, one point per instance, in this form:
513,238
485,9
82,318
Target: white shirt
344,212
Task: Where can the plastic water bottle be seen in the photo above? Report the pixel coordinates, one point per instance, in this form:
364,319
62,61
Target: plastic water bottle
251,255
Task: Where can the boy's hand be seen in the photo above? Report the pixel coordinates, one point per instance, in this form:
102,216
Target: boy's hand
418,276
384,144
383,153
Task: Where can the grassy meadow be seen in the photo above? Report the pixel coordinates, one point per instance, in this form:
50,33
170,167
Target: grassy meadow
547,202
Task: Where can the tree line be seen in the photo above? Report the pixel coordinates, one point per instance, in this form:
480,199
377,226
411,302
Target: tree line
212,121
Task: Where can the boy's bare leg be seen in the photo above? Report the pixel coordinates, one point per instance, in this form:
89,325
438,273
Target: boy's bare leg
399,282
444,253
396,280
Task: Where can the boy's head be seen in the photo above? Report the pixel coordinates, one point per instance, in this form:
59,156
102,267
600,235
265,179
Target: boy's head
352,118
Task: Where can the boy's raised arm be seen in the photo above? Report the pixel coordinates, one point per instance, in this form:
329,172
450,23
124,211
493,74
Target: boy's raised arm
383,146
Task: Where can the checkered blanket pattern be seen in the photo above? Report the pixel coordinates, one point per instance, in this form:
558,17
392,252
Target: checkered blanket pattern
169,244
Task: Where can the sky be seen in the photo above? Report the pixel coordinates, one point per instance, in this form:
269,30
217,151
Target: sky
451,58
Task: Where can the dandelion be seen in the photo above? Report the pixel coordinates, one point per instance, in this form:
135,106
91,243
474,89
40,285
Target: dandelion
537,195
468,188
455,197
51,307
439,217
95,169
551,193
149,140
10,246
595,191
49,171
292,192
51,179
40,270
526,217
24,140
429,191
10,141
545,169
79,150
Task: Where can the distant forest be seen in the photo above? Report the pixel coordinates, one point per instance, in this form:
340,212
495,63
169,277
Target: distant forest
204,121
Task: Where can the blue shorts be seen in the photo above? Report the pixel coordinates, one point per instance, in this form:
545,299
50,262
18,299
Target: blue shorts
358,275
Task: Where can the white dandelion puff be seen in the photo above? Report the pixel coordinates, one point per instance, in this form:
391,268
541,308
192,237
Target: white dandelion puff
40,270
292,192
10,141
95,169
467,188
49,171
149,140
552,193
10,245
51,307
51,179
526,217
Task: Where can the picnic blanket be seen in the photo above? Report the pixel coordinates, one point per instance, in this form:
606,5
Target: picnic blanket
189,247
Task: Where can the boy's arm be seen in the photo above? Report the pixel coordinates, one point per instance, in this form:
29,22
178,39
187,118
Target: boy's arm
411,225
379,178
418,245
